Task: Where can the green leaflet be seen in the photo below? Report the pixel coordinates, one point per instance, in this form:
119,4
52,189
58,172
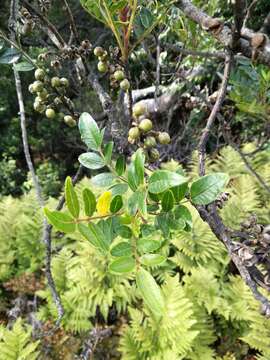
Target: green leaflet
152,259
162,180
206,189
92,161
71,198
150,292
94,235
89,201
116,204
122,265
90,133
61,221
167,201
121,249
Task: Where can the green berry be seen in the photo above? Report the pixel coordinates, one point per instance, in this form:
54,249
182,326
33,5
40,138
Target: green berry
50,113
64,82
150,142
164,138
39,74
31,88
146,125
98,51
104,56
153,155
68,119
38,86
119,75
102,67
55,82
39,107
125,85
138,110
43,94
134,133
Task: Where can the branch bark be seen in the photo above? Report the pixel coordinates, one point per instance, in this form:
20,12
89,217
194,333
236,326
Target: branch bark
224,34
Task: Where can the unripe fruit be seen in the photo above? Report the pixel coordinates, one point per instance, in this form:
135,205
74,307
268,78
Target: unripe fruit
104,56
39,74
39,107
64,82
146,125
102,67
150,142
31,88
98,51
55,82
69,121
134,133
50,113
125,85
37,86
38,100
43,94
138,110
164,138
119,75
130,140
60,116
153,155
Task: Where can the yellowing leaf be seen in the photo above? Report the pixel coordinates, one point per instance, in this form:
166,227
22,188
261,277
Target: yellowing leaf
103,203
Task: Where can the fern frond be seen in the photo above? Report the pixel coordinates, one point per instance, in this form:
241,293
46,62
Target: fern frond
16,344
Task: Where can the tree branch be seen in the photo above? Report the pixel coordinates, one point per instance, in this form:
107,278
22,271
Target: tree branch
213,115
224,34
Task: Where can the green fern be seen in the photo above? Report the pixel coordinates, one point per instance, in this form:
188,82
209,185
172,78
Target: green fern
16,344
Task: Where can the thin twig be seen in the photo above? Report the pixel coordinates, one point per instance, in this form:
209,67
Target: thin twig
248,12
72,22
250,168
213,114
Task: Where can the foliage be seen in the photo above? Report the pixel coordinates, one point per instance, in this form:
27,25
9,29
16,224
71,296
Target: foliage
16,344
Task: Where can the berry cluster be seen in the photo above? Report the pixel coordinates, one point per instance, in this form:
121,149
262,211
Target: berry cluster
117,78
50,96
142,133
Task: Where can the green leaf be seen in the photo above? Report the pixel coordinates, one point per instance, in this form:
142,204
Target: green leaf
103,180
119,189
139,166
90,202
150,292
23,66
162,223
206,189
163,180
10,56
132,178
122,265
182,212
71,198
91,161
146,17
152,259
108,152
179,192
122,249
147,246
137,201
124,231
94,235
90,132
120,165
116,204
61,221
167,201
